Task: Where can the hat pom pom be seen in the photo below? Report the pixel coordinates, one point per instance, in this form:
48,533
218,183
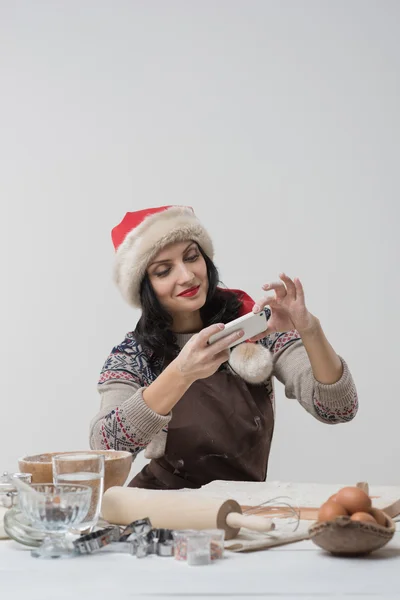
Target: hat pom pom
252,362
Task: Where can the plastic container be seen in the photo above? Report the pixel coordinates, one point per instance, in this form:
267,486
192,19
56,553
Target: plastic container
198,549
217,542
180,542
199,544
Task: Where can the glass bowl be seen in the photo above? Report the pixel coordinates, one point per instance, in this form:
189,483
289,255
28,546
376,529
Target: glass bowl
54,509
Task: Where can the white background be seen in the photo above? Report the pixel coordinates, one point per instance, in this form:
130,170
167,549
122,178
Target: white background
277,121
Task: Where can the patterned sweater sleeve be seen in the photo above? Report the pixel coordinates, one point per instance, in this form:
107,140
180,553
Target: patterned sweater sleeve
329,403
124,421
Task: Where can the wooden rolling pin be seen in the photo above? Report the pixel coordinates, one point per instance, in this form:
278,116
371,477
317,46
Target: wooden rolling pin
178,510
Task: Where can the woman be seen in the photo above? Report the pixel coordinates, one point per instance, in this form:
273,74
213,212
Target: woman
201,411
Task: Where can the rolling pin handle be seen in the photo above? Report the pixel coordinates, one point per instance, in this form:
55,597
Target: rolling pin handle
237,520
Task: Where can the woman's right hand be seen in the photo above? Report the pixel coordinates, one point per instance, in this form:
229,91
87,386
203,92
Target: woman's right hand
198,359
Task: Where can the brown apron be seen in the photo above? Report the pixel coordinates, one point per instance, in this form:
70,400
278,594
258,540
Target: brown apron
221,428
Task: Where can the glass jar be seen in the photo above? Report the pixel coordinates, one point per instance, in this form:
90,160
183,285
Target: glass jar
8,491
15,524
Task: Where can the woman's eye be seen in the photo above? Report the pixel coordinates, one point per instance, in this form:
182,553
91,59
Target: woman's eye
162,273
191,258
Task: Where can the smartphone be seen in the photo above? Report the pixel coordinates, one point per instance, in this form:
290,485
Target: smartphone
252,324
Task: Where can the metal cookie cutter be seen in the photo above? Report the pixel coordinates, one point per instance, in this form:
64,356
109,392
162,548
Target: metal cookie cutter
91,542
139,539
139,534
133,539
141,527
163,542
155,541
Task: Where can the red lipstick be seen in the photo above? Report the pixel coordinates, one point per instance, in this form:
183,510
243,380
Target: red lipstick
190,292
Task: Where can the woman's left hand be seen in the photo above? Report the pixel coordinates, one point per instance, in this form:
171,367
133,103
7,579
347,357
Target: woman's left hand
288,309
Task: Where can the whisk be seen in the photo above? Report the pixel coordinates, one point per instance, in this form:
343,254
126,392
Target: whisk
283,511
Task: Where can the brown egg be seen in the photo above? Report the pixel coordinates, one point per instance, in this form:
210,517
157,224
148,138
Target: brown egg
354,500
333,497
378,515
330,510
363,516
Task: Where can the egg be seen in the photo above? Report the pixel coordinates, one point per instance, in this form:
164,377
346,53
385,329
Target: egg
379,516
330,511
354,500
364,517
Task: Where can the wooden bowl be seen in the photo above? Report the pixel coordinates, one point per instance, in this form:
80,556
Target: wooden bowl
117,465
344,537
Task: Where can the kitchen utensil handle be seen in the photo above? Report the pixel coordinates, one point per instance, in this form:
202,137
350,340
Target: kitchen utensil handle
393,510
236,520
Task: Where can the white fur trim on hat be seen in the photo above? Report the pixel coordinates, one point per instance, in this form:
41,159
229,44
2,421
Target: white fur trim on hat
140,246
252,362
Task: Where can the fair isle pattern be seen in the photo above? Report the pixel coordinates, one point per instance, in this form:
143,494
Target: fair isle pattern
117,433
277,341
121,375
336,415
131,363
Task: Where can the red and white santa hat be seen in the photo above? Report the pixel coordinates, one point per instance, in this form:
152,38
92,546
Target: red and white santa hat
142,234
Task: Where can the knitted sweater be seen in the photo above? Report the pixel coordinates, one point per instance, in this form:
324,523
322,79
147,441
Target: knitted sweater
125,422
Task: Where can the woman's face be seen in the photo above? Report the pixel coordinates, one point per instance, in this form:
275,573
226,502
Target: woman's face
178,275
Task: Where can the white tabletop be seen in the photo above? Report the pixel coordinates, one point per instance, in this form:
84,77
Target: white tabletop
299,570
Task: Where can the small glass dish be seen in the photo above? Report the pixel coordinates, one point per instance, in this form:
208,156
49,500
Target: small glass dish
20,529
54,509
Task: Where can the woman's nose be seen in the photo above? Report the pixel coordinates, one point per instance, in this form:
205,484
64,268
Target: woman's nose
185,273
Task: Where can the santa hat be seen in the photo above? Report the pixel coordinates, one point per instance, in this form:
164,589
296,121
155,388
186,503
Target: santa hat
137,240
142,234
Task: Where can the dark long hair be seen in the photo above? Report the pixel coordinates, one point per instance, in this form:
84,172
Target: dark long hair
153,330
